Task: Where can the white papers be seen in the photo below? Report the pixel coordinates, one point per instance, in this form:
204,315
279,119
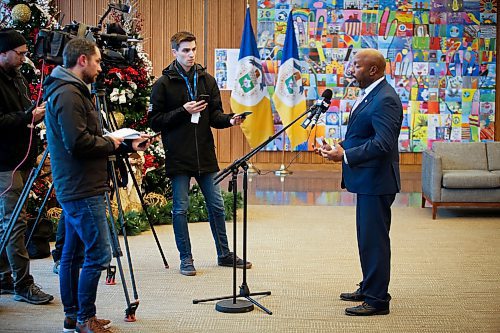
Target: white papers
126,133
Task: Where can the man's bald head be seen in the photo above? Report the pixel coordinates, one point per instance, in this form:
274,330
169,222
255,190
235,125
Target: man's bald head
373,58
368,66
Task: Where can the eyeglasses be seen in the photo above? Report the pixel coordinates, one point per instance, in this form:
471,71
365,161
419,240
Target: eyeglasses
21,53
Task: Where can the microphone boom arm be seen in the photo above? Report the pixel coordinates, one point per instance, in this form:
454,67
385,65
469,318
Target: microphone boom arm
242,160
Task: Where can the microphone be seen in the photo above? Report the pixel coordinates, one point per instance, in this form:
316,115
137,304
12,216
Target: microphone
319,107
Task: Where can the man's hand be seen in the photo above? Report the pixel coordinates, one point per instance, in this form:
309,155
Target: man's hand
116,141
195,107
237,120
38,112
335,153
324,146
142,143
339,156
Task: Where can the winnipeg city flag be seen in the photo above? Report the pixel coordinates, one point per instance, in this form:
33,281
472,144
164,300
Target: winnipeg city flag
288,96
250,92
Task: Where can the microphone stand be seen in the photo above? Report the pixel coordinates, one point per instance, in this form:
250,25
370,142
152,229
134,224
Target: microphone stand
230,304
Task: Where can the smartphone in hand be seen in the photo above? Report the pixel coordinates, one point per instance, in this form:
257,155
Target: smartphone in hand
151,139
243,115
203,97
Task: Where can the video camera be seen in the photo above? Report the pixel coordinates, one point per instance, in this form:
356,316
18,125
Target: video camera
117,48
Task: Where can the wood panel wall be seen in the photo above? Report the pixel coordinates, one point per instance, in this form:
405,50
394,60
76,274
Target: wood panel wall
217,24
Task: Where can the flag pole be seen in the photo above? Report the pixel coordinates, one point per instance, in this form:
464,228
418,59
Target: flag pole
283,171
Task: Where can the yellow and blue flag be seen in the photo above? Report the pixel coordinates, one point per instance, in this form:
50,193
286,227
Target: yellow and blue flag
250,92
288,97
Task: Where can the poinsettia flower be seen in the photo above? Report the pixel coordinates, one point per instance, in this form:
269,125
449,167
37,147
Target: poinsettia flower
129,93
118,95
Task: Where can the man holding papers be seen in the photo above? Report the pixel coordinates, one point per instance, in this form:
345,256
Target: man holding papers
79,156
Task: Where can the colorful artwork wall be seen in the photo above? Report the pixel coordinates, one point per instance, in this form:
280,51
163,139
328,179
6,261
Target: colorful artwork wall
441,59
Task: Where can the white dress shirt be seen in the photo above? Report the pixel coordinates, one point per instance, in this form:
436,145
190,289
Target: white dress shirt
362,95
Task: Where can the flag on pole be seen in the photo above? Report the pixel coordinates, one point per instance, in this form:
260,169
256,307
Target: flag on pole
250,92
288,96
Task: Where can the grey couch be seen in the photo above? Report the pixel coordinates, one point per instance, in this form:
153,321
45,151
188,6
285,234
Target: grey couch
461,174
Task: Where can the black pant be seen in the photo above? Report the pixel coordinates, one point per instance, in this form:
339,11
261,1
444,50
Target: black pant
14,261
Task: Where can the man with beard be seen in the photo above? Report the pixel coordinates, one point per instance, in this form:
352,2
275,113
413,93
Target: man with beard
18,151
79,156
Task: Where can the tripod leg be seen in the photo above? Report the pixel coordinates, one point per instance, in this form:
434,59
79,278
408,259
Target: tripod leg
145,209
28,184
124,230
40,210
117,253
259,305
131,306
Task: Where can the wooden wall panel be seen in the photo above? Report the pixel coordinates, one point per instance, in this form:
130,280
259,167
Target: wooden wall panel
216,24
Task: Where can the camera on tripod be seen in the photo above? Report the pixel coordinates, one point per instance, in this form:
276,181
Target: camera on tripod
116,46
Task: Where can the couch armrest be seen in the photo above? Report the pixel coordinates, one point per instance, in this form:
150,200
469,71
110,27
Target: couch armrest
432,175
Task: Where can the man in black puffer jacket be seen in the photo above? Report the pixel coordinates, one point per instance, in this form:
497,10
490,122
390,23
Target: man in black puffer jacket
186,103
79,155
17,157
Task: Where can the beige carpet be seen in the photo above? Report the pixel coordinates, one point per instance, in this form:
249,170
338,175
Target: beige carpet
445,277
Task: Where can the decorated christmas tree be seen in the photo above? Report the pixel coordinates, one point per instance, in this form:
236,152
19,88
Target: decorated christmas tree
127,79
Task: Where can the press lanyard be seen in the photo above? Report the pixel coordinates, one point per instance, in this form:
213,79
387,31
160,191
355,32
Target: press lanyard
192,91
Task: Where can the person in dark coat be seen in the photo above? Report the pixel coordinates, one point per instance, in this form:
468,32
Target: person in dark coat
18,151
79,159
370,168
186,104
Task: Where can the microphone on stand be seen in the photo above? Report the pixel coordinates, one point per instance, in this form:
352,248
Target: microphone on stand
317,109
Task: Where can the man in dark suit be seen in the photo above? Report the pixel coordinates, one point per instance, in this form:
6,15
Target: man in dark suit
370,168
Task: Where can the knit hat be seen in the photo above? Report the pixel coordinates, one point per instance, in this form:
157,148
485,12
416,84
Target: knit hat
10,39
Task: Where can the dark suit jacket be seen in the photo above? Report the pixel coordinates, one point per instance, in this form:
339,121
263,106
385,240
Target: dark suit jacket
371,144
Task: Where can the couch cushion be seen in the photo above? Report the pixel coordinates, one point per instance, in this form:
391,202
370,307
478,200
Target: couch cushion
470,179
470,195
493,151
462,155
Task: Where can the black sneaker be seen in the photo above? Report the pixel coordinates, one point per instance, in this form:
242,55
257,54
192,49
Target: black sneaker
69,325
227,261
33,295
187,267
7,288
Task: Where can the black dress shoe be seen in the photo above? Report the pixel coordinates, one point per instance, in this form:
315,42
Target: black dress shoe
356,296
365,310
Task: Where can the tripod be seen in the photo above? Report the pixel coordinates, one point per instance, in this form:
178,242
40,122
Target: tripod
101,107
20,202
101,102
230,304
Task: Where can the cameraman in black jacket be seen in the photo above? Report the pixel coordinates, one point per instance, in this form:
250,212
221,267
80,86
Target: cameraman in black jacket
79,157
18,150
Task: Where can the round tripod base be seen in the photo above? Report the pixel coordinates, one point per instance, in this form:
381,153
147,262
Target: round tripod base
227,306
283,171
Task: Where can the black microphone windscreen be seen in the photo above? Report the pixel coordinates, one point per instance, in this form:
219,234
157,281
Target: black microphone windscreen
327,94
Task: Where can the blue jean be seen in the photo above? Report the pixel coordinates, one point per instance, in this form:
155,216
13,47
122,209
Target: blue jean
85,221
215,208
